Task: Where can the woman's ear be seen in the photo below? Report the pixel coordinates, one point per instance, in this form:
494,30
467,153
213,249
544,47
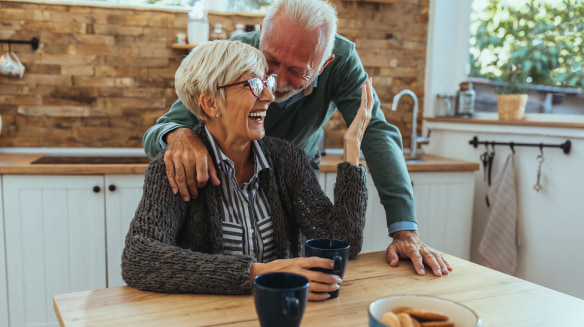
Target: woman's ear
208,104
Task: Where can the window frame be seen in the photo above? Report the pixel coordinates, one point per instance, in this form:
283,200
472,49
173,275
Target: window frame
447,60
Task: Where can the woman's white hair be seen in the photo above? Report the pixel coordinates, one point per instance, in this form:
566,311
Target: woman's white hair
309,14
210,65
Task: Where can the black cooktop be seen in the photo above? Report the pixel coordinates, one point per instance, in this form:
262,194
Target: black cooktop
91,160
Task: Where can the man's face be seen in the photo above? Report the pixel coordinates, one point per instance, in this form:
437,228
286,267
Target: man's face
292,54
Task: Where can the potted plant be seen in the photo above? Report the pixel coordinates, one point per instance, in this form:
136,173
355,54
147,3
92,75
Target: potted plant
512,98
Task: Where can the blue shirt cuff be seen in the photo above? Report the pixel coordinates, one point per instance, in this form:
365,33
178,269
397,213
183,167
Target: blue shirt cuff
401,225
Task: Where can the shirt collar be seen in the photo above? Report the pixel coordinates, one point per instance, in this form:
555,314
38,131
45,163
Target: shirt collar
260,161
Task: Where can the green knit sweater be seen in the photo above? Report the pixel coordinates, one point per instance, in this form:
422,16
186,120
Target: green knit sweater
176,247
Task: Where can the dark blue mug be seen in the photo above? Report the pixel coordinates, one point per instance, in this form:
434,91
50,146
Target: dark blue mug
329,248
280,298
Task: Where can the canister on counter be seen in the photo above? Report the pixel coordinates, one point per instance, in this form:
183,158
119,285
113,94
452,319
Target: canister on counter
238,30
218,33
465,98
443,107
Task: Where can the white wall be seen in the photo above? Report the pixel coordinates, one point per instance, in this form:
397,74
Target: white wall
551,222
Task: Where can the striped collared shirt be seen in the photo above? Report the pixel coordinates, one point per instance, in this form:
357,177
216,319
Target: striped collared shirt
247,220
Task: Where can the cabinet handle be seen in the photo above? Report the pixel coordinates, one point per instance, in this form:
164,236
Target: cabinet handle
112,187
96,189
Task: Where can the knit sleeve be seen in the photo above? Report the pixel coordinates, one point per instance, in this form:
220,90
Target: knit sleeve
315,213
153,261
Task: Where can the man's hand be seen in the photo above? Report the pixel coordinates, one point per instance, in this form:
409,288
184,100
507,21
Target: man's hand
407,244
188,163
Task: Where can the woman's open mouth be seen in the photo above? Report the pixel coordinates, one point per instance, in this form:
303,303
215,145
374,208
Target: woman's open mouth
257,115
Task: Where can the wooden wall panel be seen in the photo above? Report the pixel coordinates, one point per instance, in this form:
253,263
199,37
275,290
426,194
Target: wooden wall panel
103,75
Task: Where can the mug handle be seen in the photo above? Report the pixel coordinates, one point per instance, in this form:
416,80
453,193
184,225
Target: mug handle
291,306
338,262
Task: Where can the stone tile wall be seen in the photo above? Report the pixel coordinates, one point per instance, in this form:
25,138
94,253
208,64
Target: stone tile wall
102,75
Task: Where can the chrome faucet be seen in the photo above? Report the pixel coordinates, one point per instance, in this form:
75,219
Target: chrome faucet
414,135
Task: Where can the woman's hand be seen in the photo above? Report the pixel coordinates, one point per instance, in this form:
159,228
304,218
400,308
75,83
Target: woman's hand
354,134
319,281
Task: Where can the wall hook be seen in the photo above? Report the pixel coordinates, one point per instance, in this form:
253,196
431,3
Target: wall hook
511,145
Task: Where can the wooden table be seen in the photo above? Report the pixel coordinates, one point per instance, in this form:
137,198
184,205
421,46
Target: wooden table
499,299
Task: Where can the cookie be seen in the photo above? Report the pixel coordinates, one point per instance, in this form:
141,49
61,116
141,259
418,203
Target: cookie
390,319
401,309
405,319
437,324
425,315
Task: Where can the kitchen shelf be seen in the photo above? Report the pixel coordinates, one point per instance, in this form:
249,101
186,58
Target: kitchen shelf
505,122
177,46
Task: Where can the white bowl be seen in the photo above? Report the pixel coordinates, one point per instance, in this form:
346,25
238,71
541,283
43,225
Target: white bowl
459,314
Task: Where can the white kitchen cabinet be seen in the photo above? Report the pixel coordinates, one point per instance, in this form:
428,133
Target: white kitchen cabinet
54,229
63,234
123,193
3,283
443,208
444,204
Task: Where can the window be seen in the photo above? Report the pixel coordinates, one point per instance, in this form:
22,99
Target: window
531,44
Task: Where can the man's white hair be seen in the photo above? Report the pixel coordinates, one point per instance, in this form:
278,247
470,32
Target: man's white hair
310,15
210,65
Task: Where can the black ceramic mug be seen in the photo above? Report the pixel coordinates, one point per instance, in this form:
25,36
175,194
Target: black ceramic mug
280,298
329,248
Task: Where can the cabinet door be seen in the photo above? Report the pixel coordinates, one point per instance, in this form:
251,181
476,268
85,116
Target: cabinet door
54,228
444,209
375,237
123,193
3,284
375,233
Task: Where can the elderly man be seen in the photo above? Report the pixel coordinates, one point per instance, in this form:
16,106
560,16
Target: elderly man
318,72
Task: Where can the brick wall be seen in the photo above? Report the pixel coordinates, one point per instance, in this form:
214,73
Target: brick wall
103,75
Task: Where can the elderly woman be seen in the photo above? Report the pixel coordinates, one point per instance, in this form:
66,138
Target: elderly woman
268,194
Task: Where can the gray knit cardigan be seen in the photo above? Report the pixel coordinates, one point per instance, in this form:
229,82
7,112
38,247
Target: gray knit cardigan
176,247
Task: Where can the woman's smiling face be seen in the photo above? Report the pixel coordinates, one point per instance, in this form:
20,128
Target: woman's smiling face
242,115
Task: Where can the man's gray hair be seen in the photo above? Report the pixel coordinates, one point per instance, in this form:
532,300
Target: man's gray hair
212,64
309,14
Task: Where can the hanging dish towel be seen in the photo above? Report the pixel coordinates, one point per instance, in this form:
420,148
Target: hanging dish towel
500,242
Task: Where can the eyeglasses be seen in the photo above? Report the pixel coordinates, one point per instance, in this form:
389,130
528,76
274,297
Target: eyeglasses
256,85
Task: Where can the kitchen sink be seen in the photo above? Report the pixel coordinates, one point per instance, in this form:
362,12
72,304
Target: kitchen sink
84,160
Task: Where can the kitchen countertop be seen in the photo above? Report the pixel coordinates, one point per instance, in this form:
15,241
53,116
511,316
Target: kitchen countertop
21,164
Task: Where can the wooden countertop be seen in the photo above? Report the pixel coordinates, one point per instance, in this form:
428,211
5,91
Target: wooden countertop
20,164
431,163
498,299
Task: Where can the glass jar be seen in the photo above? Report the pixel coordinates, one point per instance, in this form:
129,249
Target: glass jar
465,98
238,30
218,33
443,106
198,26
